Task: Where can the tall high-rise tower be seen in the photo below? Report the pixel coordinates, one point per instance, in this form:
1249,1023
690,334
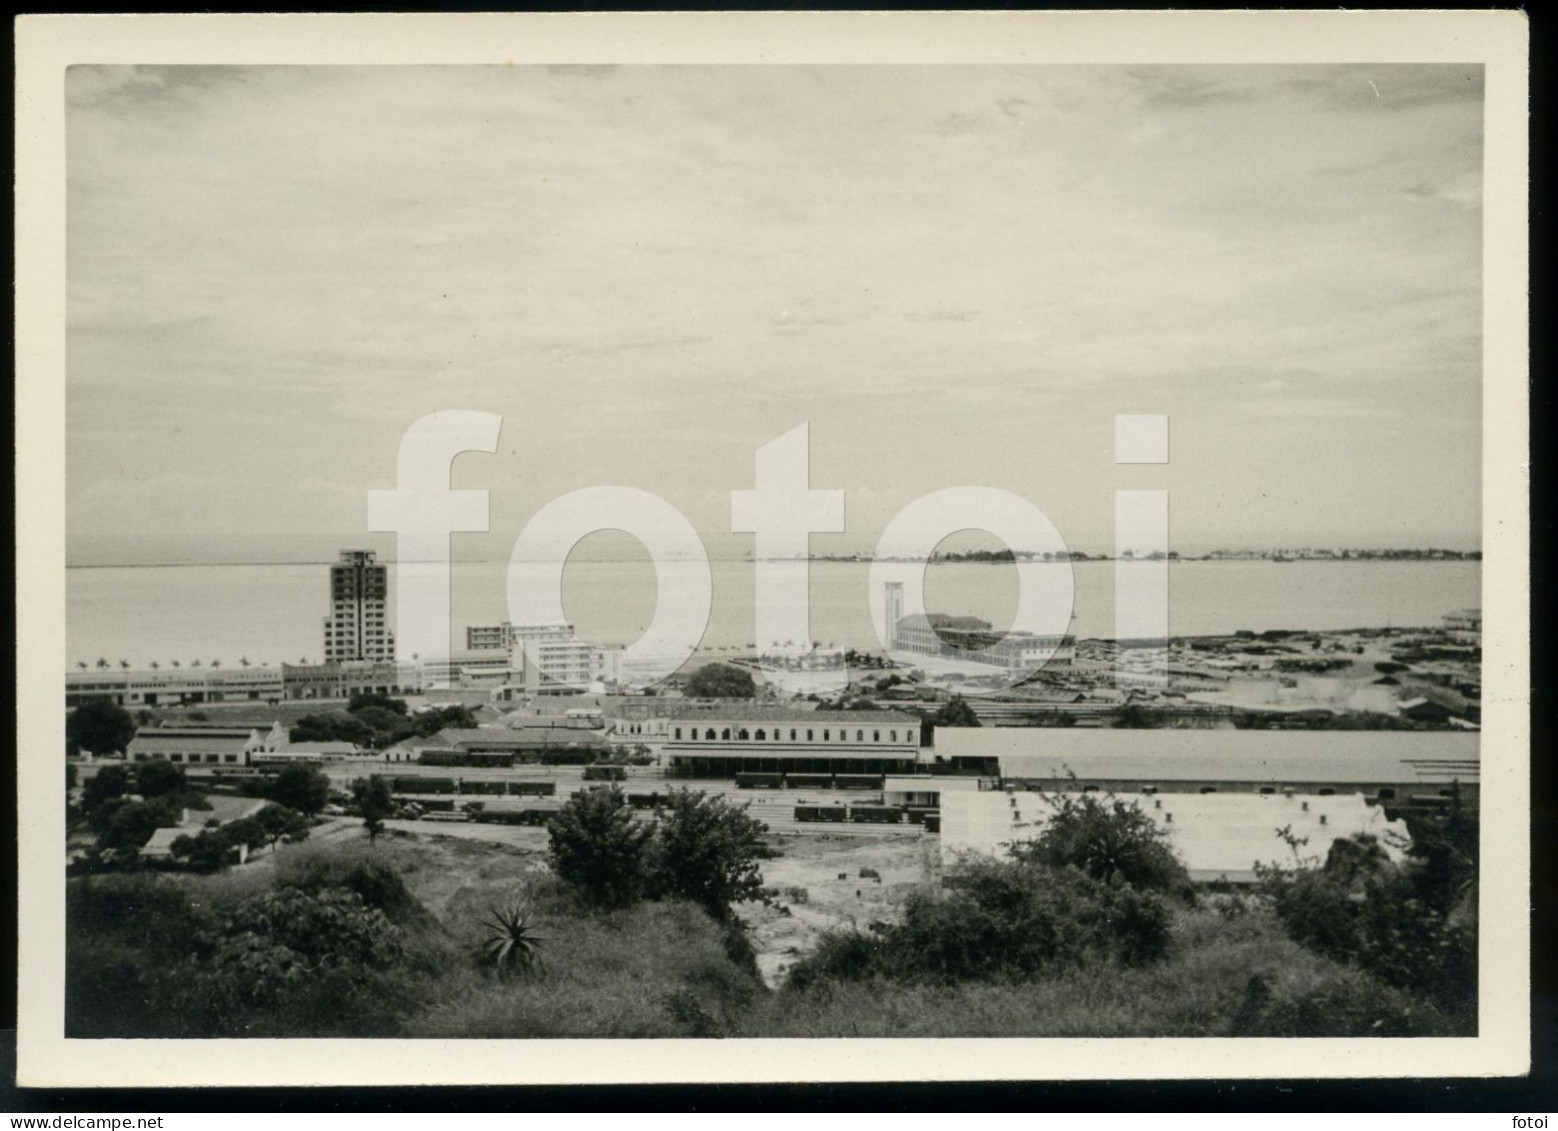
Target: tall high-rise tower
356,628
893,612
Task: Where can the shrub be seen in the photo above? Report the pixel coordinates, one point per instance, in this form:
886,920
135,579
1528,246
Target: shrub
316,868
1110,840
1003,921
599,848
1414,927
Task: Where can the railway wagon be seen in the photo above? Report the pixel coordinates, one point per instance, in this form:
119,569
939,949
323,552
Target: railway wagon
857,781
483,787
533,788
822,814
808,781
648,800
918,816
424,785
875,815
933,822
605,773
759,781
514,817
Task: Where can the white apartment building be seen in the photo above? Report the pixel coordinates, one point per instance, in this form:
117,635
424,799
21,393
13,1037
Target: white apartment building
357,627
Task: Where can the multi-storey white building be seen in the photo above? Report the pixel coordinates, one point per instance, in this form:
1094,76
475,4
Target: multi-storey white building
545,653
357,628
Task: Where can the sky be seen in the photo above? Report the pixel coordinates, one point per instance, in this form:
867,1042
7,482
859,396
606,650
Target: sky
955,275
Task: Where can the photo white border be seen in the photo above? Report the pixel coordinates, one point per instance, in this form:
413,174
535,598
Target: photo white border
46,45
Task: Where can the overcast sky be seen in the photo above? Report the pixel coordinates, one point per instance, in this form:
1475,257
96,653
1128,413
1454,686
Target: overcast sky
957,275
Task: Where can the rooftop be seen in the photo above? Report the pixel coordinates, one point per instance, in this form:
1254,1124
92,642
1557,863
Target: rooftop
744,710
1256,756
1215,835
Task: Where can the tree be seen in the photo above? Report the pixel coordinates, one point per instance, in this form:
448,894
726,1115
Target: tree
708,852
158,778
129,824
955,713
70,775
336,726
374,699
372,798
99,725
598,847
301,787
281,823
1109,840
108,783
720,681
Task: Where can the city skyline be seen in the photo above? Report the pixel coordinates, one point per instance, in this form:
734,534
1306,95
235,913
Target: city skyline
953,274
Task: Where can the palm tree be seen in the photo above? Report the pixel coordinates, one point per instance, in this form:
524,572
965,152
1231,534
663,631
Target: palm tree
125,664
102,664
82,664
244,661
155,666
176,664
216,663
194,663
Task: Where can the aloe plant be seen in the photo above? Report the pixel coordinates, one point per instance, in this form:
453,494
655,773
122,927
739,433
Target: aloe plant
512,943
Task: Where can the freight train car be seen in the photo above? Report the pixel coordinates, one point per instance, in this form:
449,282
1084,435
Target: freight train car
760,781
822,814
533,788
857,781
875,815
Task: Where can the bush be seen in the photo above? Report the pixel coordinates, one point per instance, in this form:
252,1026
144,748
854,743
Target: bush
1109,840
316,868
599,848
1003,921
1414,926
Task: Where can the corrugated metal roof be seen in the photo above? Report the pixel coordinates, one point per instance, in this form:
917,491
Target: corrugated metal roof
1215,835
1256,756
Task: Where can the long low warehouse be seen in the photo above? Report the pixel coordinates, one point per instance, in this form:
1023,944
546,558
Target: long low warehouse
1399,766
1218,837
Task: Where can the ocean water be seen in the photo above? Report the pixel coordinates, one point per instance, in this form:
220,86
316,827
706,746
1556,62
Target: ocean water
274,613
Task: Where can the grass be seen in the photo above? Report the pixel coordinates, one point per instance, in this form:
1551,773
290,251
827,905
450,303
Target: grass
663,970
1204,989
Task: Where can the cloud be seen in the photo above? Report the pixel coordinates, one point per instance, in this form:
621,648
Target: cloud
273,271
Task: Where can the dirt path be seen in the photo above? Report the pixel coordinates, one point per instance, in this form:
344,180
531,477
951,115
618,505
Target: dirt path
836,896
